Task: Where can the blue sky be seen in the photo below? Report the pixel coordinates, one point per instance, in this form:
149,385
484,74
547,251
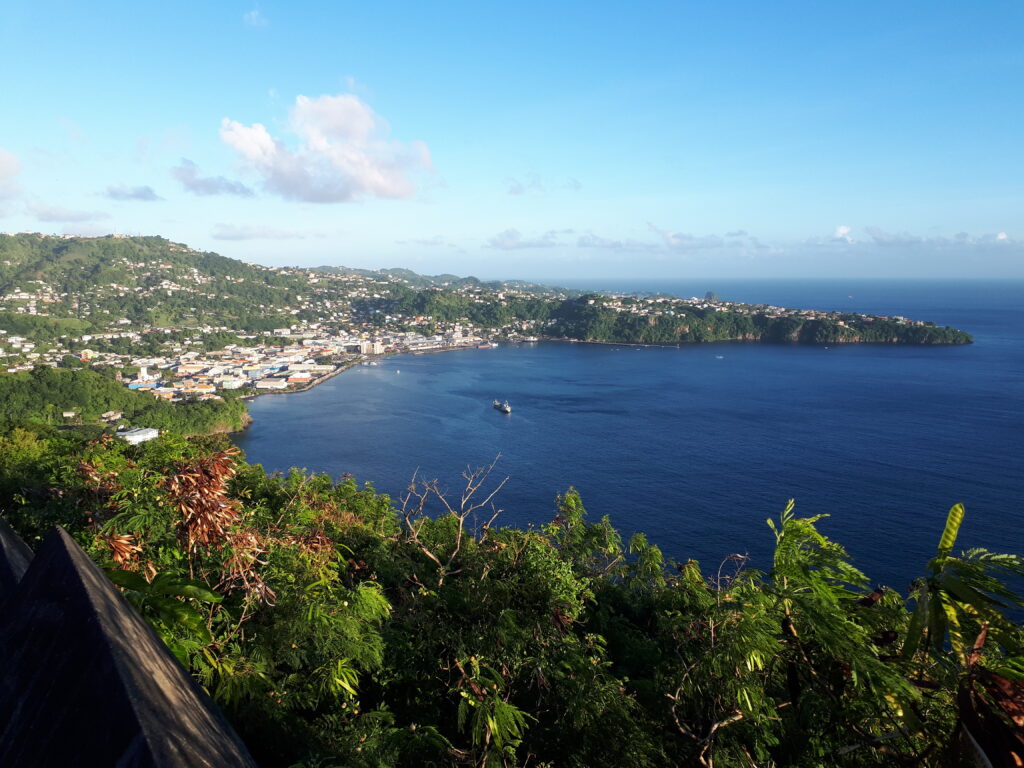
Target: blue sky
535,140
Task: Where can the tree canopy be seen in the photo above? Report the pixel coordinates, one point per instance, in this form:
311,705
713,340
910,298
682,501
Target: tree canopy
339,627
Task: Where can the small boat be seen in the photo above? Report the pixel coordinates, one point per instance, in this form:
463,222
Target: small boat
503,407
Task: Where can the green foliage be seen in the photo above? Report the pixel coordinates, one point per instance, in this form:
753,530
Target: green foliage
179,621
335,630
43,394
961,595
589,318
108,278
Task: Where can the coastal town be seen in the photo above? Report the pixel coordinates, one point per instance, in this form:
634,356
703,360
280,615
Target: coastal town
183,336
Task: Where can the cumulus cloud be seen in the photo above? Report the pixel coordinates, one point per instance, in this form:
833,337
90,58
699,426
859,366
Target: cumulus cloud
683,241
245,232
595,241
51,213
737,233
122,192
997,239
254,18
842,234
343,153
513,240
10,167
187,173
573,184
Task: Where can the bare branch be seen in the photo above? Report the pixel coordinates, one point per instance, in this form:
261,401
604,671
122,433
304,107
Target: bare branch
414,503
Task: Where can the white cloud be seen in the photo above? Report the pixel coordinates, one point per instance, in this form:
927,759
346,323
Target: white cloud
188,174
343,153
122,192
51,213
842,234
999,238
245,232
254,18
513,240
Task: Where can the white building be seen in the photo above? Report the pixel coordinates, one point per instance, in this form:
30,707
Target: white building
139,435
272,384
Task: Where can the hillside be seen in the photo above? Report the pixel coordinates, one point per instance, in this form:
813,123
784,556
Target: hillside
136,282
148,295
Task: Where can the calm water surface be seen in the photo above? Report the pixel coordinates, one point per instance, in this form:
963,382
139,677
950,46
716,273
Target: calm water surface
697,446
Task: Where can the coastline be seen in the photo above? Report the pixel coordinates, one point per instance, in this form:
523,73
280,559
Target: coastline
309,384
341,369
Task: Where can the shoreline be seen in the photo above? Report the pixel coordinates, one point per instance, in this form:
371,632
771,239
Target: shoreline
346,366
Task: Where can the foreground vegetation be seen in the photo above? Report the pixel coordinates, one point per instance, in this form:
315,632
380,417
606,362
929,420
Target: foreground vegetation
336,627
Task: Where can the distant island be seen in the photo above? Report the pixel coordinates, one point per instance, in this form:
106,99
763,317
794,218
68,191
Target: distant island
195,328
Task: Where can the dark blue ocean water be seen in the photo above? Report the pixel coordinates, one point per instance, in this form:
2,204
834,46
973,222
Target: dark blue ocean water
697,446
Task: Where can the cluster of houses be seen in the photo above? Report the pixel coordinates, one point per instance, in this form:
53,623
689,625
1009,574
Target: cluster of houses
670,305
301,359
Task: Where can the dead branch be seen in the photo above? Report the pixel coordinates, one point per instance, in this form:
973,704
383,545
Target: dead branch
414,504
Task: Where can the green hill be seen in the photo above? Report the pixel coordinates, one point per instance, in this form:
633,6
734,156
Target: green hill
148,281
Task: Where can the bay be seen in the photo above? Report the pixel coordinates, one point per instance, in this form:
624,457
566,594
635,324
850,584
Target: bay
696,446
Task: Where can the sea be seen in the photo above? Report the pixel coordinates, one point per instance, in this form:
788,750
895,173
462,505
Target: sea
698,446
